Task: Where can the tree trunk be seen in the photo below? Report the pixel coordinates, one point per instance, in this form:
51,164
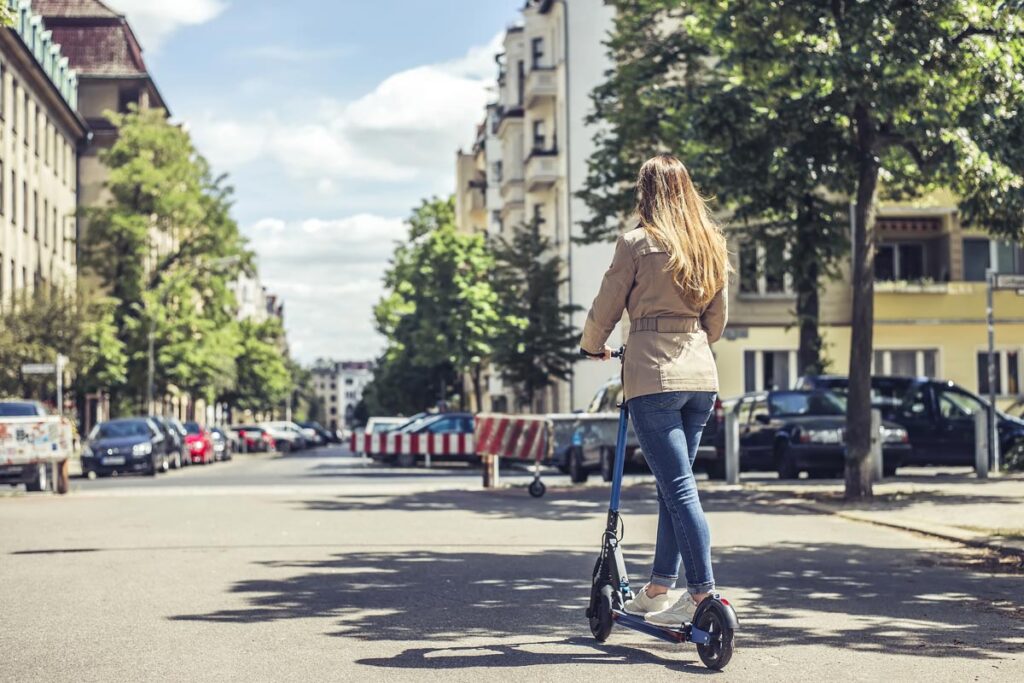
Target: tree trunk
477,390
858,406
809,356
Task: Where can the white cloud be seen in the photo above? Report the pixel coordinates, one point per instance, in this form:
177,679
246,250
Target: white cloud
154,20
329,274
407,128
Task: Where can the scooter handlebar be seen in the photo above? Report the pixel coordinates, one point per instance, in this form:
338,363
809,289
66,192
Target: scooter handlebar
615,354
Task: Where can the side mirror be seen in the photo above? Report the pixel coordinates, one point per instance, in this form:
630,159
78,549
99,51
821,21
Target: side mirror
763,418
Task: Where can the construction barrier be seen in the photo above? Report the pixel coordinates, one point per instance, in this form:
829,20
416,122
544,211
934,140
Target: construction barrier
413,444
523,437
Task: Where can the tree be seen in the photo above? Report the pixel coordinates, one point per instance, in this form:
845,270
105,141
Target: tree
164,248
536,343
899,96
262,377
440,312
664,95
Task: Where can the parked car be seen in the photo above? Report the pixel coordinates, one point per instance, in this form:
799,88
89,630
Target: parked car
222,443
311,436
287,435
326,436
593,440
937,414
34,476
199,443
131,444
254,438
173,442
796,431
433,423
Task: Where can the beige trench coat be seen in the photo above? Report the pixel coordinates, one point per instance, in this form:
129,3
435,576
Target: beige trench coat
670,337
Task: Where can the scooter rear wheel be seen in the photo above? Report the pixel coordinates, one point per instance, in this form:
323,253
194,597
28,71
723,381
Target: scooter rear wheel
601,612
718,651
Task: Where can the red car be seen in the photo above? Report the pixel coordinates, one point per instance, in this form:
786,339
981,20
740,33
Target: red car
198,443
254,439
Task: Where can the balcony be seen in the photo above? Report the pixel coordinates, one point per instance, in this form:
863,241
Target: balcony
512,191
541,169
507,117
541,84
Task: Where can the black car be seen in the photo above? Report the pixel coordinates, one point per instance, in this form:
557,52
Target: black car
173,444
326,436
131,444
796,431
222,443
937,414
593,440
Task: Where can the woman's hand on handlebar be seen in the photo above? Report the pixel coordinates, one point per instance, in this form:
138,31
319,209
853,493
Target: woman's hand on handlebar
605,354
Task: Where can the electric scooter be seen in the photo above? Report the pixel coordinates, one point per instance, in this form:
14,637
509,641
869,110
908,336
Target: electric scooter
714,621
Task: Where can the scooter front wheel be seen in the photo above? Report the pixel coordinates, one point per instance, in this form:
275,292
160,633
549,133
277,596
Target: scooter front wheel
718,650
601,612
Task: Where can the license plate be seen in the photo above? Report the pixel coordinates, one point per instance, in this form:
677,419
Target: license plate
115,460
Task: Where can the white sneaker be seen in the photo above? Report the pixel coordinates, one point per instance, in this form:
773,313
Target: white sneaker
641,604
675,616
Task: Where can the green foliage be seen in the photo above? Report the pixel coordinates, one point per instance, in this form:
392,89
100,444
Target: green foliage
262,375
164,249
881,98
536,343
440,313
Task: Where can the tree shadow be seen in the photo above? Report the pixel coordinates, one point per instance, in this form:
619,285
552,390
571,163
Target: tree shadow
835,595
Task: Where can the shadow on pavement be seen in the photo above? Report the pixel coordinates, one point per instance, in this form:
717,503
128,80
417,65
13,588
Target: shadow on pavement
834,595
564,504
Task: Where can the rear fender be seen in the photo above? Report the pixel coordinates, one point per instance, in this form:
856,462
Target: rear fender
716,602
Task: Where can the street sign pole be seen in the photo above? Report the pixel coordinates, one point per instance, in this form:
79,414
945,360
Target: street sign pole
60,383
992,280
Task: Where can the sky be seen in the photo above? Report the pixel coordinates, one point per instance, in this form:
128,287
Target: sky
333,119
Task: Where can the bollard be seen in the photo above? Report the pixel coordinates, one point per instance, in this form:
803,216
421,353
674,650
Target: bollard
490,471
732,448
981,444
877,466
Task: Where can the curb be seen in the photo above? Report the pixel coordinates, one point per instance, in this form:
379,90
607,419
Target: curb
933,530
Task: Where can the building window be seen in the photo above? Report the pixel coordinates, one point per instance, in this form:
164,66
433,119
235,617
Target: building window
3,100
15,115
536,52
763,268
538,135
334,411
900,261
46,227
496,169
2,179
906,362
980,253
35,215
766,370
14,198
1007,373
23,106
538,214
348,381
520,81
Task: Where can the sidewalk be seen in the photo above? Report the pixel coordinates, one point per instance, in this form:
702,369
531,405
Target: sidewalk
959,507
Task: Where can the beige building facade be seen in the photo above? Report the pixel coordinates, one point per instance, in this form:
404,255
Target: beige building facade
40,135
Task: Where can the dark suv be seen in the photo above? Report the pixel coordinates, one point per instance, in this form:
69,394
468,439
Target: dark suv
593,440
937,414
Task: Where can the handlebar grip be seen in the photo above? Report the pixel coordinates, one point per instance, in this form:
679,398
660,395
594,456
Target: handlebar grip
615,354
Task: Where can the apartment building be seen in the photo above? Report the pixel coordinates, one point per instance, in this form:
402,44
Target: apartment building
530,155
40,136
339,385
930,309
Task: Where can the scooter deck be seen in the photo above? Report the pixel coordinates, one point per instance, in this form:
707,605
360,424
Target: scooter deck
687,634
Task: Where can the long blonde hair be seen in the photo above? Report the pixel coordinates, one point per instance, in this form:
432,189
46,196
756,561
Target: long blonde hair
677,217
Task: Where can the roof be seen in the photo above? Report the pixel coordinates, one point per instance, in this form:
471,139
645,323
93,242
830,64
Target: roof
73,8
107,50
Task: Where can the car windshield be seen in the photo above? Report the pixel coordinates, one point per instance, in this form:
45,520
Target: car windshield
192,428
121,429
806,403
381,427
18,409
414,425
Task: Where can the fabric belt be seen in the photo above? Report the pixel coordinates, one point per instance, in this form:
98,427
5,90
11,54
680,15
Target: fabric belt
666,324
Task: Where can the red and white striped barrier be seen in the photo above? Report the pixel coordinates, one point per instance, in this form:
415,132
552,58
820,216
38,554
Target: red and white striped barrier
523,437
415,444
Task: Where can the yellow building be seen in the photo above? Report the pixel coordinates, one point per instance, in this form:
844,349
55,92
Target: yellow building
930,316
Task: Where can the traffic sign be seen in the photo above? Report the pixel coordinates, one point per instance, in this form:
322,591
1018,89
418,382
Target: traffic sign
1009,281
38,369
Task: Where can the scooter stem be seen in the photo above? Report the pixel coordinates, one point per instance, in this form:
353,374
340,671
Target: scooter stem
620,459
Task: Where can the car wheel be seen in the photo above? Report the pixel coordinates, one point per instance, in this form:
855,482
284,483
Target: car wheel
716,469
165,463
889,471
41,479
786,463
405,460
607,464
577,473
153,467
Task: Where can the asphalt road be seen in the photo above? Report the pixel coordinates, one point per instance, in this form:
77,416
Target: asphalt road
323,567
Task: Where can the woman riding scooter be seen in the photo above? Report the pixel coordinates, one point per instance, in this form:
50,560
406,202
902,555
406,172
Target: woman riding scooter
669,274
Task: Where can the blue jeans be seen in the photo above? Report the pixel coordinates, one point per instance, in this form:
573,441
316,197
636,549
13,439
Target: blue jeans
668,427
